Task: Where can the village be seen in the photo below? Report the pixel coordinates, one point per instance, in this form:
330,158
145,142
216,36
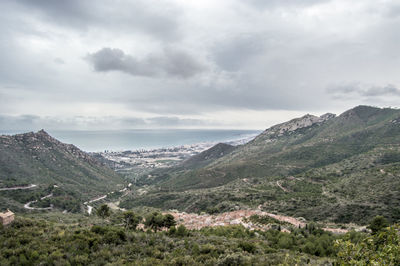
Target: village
243,217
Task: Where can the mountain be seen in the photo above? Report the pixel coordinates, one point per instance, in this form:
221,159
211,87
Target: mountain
55,167
208,156
342,168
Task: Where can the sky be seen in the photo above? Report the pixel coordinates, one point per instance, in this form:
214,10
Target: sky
113,64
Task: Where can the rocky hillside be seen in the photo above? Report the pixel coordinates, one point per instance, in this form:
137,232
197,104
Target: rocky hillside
340,168
291,126
37,158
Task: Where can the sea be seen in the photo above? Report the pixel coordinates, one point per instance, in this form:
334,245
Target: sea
146,139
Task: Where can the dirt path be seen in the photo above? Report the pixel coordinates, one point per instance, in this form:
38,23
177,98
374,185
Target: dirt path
114,206
18,188
279,185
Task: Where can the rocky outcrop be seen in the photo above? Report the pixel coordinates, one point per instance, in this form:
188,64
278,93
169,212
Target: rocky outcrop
297,123
42,142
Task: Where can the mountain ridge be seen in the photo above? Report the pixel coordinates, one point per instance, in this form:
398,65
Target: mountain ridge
314,160
38,158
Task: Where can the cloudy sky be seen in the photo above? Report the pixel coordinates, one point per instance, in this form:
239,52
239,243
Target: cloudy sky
102,64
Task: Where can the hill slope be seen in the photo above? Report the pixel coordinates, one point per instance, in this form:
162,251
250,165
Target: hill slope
38,158
317,167
208,156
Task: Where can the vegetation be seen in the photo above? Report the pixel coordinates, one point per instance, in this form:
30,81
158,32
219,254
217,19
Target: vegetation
131,220
324,172
103,211
156,221
378,224
42,160
34,241
381,248
342,170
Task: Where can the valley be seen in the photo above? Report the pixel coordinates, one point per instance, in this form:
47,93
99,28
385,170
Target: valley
321,168
299,191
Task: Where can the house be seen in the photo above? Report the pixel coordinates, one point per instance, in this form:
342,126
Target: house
6,217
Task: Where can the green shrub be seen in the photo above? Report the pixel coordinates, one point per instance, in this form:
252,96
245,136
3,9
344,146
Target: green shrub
247,246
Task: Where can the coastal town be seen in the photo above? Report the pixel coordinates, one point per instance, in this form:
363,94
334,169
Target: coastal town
149,159
153,158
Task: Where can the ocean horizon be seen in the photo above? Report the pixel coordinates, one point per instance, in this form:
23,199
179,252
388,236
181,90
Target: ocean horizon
138,139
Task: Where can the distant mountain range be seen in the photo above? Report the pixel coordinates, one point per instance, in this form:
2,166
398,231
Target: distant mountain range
342,168
54,167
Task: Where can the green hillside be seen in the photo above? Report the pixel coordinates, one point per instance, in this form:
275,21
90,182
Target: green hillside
208,156
343,169
70,174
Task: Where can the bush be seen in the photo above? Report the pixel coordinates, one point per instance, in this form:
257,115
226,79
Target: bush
232,260
104,211
377,224
247,246
131,220
182,231
156,221
381,248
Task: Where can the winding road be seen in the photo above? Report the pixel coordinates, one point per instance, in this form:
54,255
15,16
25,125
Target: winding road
90,208
18,188
27,205
280,186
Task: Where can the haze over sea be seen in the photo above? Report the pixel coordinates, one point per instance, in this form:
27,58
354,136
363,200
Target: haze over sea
136,139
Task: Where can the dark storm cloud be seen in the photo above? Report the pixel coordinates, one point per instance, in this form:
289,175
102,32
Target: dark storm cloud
171,63
149,17
364,90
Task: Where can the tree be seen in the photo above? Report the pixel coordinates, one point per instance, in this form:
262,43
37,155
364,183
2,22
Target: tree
182,231
154,221
169,220
131,220
103,211
377,224
382,248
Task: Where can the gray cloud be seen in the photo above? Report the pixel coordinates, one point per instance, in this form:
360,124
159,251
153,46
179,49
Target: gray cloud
171,63
153,18
72,12
33,122
233,54
284,3
364,90
59,61
187,59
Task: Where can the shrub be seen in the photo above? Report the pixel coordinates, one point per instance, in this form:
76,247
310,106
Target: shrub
131,220
377,224
104,211
248,246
